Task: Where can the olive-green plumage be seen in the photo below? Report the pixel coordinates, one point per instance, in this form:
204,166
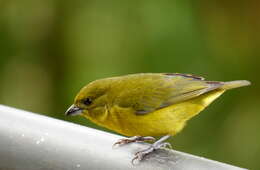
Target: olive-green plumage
148,104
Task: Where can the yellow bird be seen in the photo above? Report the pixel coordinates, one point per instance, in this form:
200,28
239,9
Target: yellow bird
147,104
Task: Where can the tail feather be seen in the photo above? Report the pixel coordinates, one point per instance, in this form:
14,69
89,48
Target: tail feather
235,84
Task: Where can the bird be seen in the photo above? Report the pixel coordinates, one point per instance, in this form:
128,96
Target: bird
142,106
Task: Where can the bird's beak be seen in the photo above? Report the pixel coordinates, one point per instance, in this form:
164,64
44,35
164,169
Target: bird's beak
73,111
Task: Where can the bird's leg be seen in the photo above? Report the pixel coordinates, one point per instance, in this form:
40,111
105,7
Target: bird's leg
156,145
133,139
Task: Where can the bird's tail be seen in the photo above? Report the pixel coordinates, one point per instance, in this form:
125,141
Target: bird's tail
235,84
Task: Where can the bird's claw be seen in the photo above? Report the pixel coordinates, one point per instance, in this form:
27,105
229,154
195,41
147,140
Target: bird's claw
137,159
139,156
165,145
133,139
122,142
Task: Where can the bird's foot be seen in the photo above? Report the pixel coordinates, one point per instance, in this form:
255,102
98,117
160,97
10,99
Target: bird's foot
133,139
139,156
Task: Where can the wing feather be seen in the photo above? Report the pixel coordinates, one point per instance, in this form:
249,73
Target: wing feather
157,91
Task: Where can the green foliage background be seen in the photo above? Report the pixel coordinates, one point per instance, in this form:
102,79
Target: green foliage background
49,49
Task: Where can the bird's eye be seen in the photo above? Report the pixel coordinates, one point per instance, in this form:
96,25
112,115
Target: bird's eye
87,101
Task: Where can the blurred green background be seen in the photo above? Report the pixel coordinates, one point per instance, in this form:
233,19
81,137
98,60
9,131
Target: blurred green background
49,49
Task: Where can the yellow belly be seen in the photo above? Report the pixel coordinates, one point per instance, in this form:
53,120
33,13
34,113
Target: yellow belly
169,120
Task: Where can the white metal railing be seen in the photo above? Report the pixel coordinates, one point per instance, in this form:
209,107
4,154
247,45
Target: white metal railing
30,141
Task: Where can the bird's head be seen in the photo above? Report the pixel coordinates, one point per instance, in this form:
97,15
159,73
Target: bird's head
91,101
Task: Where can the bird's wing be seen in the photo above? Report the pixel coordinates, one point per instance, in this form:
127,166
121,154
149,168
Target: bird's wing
161,90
